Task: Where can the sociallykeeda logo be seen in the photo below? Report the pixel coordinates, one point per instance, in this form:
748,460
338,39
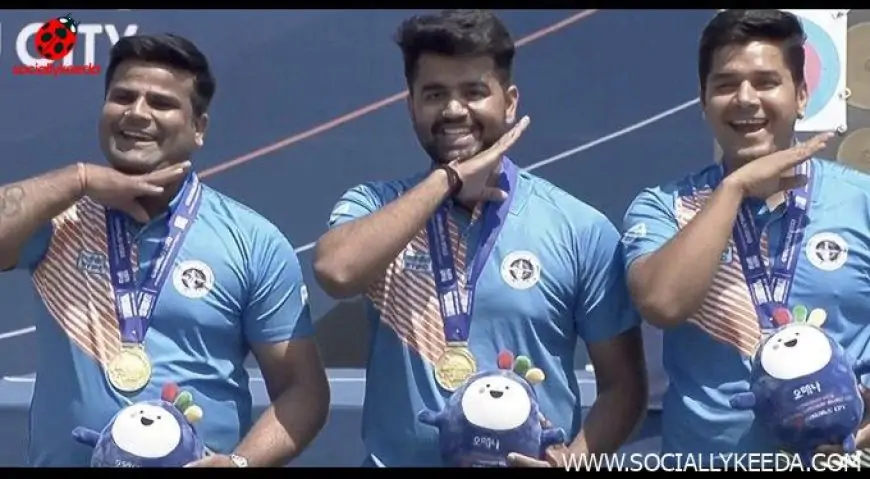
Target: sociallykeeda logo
55,40
55,69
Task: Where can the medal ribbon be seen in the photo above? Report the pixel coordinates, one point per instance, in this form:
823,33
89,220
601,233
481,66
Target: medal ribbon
771,291
457,320
135,306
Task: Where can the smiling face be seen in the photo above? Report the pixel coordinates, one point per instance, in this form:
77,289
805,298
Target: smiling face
795,351
146,431
458,105
497,403
751,100
148,120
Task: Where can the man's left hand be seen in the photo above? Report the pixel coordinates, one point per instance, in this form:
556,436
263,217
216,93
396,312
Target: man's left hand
862,437
554,456
214,460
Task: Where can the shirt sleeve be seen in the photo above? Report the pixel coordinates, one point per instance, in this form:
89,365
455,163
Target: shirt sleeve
357,202
648,224
277,308
35,248
604,309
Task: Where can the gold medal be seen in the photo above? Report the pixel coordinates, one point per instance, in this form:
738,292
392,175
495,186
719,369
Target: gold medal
454,367
130,370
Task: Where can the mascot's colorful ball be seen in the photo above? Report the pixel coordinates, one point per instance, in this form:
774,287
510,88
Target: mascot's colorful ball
493,414
157,433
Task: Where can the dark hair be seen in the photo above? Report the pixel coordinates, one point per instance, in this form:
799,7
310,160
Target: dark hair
740,27
456,33
172,51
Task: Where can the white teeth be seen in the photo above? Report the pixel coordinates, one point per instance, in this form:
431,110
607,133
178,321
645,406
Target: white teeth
136,136
456,131
749,122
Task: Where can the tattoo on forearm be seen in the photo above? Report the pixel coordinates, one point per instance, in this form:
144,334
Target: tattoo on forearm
10,201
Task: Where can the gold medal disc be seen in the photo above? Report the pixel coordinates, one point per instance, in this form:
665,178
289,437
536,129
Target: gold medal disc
130,370
454,367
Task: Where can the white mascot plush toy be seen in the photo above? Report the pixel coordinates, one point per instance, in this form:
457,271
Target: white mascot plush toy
493,414
804,387
157,433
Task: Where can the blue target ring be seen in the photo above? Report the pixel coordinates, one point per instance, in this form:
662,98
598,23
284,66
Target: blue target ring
829,64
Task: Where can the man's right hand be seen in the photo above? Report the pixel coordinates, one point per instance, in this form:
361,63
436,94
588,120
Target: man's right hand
766,176
475,172
120,191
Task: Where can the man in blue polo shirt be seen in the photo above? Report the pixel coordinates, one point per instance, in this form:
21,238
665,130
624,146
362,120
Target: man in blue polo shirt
684,263
211,279
537,267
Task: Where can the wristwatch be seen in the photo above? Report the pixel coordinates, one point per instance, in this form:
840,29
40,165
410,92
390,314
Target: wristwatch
238,460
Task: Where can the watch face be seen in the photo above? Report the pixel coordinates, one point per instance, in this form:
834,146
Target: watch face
239,461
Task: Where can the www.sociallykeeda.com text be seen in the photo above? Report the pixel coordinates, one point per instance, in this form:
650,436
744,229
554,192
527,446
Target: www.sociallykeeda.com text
711,462
56,69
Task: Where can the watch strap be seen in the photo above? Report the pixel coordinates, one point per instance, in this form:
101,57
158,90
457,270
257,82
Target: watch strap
454,182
